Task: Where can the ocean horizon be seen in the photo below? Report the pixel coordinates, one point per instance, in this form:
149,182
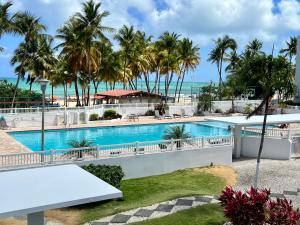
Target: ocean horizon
187,87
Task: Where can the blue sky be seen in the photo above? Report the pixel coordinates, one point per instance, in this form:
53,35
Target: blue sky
201,20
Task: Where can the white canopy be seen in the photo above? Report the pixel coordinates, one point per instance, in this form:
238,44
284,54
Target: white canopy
37,189
258,120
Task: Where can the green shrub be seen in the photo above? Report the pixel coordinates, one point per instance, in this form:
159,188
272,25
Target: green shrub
110,174
150,112
109,114
248,109
94,117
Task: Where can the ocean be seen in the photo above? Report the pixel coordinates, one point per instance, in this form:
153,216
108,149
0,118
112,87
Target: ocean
187,87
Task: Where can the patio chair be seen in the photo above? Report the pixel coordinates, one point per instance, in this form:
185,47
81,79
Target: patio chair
157,115
176,115
183,114
167,115
133,117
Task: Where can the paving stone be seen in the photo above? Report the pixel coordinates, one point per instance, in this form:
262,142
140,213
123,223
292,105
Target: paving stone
120,218
276,195
164,208
184,202
204,199
290,193
144,213
99,223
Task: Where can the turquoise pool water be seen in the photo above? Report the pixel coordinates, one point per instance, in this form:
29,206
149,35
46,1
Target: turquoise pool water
59,139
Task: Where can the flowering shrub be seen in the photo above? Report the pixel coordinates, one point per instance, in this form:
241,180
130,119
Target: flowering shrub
281,213
254,207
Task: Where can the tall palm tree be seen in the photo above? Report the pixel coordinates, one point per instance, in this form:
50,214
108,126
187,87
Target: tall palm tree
31,29
90,25
218,53
6,19
189,57
291,48
126,37
168,42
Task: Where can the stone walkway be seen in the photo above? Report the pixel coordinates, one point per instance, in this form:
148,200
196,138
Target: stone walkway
9,145
154,211
281,176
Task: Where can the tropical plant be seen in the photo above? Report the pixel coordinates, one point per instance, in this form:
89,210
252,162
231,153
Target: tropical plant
256,207
6,20
80,144
94,117
177,133
218,53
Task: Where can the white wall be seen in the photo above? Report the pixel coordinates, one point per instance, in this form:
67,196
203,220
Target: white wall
239,104
274,148
160,163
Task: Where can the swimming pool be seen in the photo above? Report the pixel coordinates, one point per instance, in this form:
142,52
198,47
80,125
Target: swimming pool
59,139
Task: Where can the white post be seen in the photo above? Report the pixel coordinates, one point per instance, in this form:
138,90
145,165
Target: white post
237,141
76,117
297,97
35,218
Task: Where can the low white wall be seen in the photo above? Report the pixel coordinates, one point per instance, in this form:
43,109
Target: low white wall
166,162
238,104
274,148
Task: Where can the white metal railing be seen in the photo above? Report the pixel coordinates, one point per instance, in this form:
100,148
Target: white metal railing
272,132
109,151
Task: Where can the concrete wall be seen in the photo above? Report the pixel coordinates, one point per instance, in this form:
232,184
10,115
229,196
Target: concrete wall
166,162
239,104
274,148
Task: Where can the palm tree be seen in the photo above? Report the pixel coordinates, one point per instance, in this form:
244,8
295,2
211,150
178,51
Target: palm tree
126,38
90,27
30,28
218,53
291,49
80,144
254,47
177,133
189,59
168,42
6,20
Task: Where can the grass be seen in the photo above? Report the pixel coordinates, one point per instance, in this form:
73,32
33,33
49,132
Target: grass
150,190
202,215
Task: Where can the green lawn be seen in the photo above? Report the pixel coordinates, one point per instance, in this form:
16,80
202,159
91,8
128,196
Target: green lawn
202,215
149,190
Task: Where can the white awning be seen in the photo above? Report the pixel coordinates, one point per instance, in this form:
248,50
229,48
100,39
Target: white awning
34,190
258,120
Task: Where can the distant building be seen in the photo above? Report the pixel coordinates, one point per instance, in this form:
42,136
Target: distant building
126,96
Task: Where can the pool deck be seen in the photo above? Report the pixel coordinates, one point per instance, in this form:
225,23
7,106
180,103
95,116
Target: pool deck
9,145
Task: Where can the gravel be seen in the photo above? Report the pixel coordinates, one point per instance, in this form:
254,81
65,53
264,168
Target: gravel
277,175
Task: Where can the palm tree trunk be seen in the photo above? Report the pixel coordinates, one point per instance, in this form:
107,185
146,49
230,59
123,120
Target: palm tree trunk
183,75
156,79
158,89
15,92
64,94
261,142
124,72
77,92
52,94
177,83
147,82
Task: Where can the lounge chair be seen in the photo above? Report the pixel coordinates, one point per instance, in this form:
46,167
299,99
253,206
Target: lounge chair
139,150
157,115
176,115
167,115
183,114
